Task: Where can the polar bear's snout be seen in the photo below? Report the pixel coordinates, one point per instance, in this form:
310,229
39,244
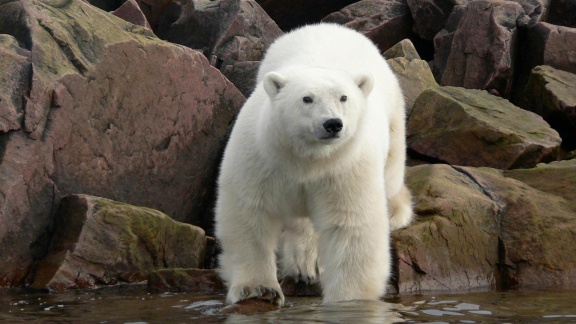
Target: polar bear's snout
333,126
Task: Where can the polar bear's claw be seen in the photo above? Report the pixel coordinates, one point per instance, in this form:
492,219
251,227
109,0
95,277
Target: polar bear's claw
258,292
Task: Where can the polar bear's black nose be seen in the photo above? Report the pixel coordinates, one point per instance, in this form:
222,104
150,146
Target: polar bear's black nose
333,125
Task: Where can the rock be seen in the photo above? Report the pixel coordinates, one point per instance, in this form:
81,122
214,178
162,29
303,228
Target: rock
477,228
156,10
101,242
554,178
249,306
243,75
536,10
563,13
482,51
431,16
185,280
404,49
473,128
15,67
130,11
385,22
130,118
551,94
454,242
443,41
546,44
414,76
226,31
295,13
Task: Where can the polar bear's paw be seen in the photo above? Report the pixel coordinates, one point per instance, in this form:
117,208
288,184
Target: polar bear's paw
300,257
246,291
400,207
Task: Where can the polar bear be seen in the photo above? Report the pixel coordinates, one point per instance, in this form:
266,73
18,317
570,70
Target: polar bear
315,162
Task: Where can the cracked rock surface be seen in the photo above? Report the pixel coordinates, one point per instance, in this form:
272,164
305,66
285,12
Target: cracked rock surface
482,227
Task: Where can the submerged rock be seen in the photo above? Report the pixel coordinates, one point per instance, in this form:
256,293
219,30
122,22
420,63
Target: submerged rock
101,242
183,280
471,127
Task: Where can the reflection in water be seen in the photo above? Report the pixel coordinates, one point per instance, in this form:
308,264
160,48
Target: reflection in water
132,304
343,312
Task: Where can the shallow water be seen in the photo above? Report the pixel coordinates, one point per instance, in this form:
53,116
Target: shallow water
132,304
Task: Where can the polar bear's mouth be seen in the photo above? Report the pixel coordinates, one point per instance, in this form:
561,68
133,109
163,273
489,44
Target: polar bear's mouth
330,136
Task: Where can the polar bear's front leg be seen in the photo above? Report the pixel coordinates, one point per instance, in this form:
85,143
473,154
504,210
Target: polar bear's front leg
352,220
248,261
299,257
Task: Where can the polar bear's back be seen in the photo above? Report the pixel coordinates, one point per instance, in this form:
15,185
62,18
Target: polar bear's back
325,46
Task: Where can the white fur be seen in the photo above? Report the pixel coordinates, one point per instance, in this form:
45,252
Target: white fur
283,174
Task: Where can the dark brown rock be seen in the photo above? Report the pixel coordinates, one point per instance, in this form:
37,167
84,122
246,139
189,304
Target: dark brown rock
243,75
551,94
482,51
563,13
480,228
130,11
186,280
130,118
443,41
226,31
385,22
100,242
536,10
552,45
471,127
430,16
295,13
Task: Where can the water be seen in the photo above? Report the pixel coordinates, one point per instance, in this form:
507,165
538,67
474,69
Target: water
133,304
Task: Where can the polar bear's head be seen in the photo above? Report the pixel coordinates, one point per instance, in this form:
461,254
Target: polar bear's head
316,110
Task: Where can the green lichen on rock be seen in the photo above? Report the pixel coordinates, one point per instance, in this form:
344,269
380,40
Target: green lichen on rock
100,241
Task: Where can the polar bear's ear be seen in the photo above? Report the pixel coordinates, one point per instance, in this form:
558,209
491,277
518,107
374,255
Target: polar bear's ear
365,82
273,82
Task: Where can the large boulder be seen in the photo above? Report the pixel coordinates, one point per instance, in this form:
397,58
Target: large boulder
482,228
102,242
430,16
471,127
545,44
413,73
130,118
482,49
295,13
551,93
226,31
385,22
453,244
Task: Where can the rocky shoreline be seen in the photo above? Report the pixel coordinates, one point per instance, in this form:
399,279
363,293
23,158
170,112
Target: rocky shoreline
110,105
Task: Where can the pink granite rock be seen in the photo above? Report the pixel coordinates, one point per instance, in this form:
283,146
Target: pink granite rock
131,118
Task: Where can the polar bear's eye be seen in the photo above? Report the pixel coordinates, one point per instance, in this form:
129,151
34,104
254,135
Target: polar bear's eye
307,100
343,99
